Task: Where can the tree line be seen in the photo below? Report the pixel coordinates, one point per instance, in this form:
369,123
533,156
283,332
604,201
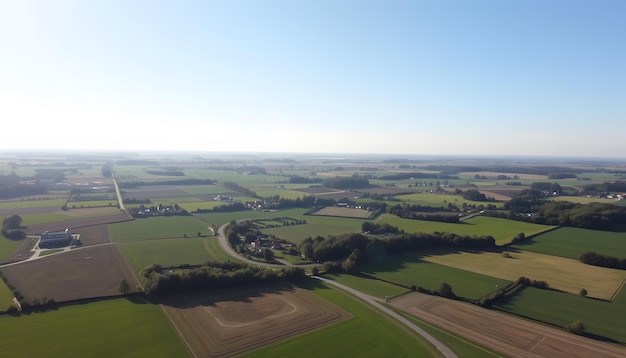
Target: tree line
595,259
160,281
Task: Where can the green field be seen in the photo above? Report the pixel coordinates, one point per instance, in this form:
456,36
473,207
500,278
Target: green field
502,230
203,189
19,204
6,297
410,271
559,308
171,252
114,328
440,200
91,203
585,200
315,225
369,333
366,285
8,247
160,227
571,242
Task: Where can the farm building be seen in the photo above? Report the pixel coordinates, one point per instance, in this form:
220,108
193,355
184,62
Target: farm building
55,239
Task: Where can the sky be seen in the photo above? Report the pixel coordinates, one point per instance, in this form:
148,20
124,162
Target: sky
448,77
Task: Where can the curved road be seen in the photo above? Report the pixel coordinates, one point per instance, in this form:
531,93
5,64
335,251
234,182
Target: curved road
374,301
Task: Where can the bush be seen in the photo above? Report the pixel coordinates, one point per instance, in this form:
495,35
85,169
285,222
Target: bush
583,292
576,327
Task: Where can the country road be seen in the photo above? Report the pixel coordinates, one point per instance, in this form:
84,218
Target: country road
374,301
369,299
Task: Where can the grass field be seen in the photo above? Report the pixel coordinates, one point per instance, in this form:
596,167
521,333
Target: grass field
559,308
32,203
440,200
114,328
560,273
91,203
502,230
160,227
585,200
366,285
571,242
368,334
6,297
169,252
7,247
410,271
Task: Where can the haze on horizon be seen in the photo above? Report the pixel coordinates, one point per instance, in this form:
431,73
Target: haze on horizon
414,77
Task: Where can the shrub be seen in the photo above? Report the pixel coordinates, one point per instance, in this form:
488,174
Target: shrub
583,292
576,327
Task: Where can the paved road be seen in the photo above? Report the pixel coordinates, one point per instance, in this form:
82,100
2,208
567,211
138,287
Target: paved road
119,195
376,302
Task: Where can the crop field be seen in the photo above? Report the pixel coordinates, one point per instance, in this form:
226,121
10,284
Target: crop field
315,226
343,212
367,334
80,221
8,247
20,204
408,271
585,200
111,328
203,189
235,321
170,252
6,297
440,200
160,227
513,336
559,308
560,273
91,203
84,273
376,288
502,230
571,242
267,191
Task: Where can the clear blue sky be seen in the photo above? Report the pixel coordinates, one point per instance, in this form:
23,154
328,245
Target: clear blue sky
417,77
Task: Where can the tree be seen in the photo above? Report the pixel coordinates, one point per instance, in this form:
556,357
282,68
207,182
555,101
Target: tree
12,222
583,292
315,270
445,290
268,254
576,327
123,287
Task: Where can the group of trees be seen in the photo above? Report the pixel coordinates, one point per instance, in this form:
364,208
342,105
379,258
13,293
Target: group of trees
12,228
593,258
161,281
475,195
341,246
240,189
11,186
353,182
296,179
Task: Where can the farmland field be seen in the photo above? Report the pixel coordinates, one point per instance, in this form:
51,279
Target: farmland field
170,252
6,296
571,242
343,212
502,230
160,227
560,273
408,271
367,334
83,273
19,204
440,200
8,247
230,322
559,308
369,286
112,328
585,200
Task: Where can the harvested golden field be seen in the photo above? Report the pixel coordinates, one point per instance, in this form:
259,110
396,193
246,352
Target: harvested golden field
560,273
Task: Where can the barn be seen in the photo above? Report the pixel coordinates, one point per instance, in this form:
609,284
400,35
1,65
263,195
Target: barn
49,240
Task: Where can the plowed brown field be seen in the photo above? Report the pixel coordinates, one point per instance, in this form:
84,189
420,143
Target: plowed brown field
235,321
510,335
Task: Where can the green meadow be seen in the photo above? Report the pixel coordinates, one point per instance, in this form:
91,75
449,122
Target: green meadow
20,204
571,242
8,247
408,271
369,333
372,287
160,227
560,308
113,328
502,230
440,200
171,252
6,297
